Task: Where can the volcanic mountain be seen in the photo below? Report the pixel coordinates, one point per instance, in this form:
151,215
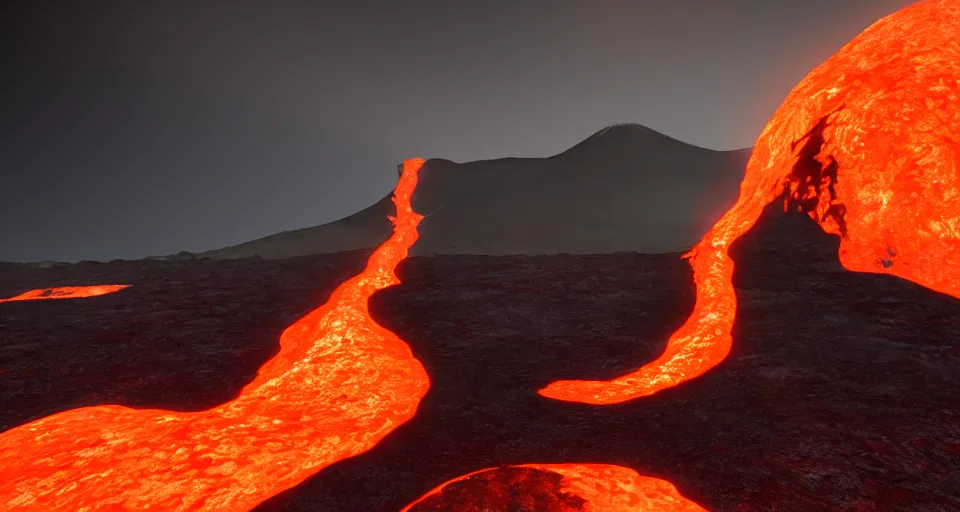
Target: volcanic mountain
624,188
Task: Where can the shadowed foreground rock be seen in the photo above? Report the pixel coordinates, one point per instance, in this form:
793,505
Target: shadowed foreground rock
842,391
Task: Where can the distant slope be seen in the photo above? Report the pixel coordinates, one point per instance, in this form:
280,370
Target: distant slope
624,188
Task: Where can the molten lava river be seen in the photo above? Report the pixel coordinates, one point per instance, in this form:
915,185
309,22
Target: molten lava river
867,145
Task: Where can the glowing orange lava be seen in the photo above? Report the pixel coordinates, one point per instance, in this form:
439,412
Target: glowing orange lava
592,487
339,384
868,144
67,292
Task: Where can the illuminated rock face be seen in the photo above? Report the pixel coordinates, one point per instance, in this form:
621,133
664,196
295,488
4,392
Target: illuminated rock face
340,384
868,144
887,107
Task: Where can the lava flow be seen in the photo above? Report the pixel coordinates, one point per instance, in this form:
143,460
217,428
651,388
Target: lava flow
557,488
339,385
67,292
867,144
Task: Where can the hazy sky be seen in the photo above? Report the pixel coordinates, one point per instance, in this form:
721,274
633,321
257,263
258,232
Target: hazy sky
132,128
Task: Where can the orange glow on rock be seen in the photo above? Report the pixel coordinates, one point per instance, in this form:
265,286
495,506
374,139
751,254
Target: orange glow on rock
556,487
67,292
340,384
868,145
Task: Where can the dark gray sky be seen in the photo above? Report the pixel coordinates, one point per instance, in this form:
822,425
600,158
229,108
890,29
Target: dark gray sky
132,128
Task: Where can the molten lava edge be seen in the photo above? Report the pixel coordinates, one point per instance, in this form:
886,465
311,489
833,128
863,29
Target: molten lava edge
67,292
339,385
883,120
557,488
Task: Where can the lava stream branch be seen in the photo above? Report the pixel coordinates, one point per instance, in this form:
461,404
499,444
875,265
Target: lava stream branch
340,384
884,116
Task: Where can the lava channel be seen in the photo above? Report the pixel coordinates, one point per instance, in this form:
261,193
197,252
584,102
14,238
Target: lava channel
557,488
340,384
868,145
67,292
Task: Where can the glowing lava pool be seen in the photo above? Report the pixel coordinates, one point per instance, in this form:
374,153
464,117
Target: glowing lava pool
556,487
67,292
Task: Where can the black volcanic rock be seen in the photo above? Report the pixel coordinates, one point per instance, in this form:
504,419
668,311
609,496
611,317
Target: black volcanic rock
842,391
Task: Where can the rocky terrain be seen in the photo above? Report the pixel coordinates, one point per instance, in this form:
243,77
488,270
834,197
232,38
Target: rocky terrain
842,391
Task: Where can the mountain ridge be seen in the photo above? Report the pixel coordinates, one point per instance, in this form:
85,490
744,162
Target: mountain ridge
605,167
610,167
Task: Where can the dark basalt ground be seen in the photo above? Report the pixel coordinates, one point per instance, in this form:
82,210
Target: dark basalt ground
842,391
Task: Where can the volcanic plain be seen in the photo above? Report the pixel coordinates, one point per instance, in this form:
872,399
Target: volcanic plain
842,391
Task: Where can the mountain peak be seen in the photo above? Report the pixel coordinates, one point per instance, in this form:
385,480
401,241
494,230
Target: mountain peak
624,127
618,136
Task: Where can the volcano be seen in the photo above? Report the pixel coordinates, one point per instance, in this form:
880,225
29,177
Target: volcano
624,188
